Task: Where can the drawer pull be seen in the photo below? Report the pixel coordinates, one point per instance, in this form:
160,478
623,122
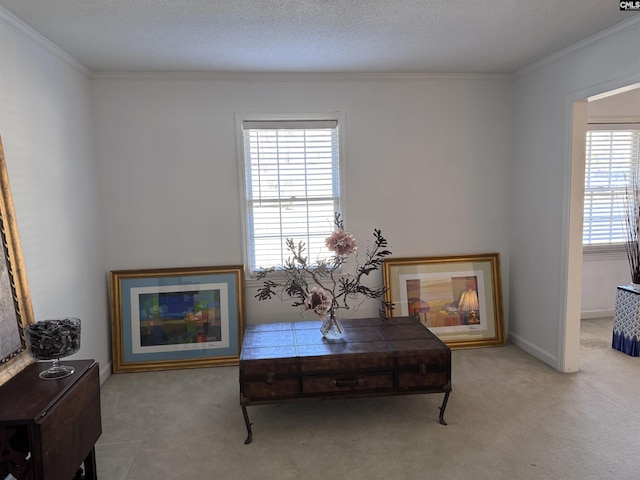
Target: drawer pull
423,369
270,376
350,382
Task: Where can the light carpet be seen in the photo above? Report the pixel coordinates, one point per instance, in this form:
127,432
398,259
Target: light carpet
509,417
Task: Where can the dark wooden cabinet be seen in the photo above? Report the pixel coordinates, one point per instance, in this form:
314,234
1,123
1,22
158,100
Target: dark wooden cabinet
291,361
48,428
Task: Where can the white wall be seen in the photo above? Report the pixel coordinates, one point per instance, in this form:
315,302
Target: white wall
539,242
620,107
601,274
427,161
45,123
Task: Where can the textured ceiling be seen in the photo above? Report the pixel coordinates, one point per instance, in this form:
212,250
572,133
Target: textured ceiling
409,36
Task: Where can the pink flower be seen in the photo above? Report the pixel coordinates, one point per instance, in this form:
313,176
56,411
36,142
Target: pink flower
341,242
318,301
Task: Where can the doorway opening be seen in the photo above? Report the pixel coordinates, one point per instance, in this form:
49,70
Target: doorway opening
594,275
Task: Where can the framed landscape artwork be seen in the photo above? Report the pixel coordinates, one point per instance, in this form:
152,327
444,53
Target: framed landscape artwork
176,318
458,298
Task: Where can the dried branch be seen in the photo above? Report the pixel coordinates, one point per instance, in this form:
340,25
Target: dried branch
632,223
298,277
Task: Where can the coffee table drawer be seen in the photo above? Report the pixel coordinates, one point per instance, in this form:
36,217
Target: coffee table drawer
415,378
345,383
270,389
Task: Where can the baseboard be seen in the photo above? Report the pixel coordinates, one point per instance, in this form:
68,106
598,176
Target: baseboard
105,372
535,351
586,314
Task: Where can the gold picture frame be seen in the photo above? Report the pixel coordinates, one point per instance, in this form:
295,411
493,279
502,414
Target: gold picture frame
174,318
15,301
459,298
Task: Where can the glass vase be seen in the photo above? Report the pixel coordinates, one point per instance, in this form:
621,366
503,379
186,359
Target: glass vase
331,328
53,340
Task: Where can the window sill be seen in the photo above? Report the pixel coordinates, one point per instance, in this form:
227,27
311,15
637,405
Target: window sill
604,252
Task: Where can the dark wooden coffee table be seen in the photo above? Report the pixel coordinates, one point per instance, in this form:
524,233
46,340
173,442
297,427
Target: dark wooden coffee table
291,361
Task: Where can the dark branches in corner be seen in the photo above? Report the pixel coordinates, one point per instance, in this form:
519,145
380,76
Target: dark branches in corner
632,223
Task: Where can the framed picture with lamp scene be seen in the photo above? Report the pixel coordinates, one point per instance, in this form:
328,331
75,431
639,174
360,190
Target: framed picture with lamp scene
459,298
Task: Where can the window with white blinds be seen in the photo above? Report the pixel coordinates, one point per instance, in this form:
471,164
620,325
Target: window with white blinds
292,186
611,151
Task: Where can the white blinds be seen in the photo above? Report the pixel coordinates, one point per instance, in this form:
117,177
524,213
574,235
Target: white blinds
293,187
611,151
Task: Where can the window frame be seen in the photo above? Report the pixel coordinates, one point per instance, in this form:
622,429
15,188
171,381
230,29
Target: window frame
240,118
610,249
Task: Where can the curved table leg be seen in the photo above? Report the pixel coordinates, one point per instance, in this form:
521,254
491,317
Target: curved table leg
442,408
248,424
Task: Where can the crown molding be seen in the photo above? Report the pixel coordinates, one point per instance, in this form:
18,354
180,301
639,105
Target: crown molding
297,77
581,45
25,31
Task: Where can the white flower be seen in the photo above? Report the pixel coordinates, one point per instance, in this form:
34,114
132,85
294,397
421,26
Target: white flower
341,242
318,301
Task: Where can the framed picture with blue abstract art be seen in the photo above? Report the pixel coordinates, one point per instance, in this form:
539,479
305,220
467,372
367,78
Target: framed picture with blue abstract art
173,318
458,298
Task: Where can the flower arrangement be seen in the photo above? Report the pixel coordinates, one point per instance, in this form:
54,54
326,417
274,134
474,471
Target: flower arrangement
322,287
